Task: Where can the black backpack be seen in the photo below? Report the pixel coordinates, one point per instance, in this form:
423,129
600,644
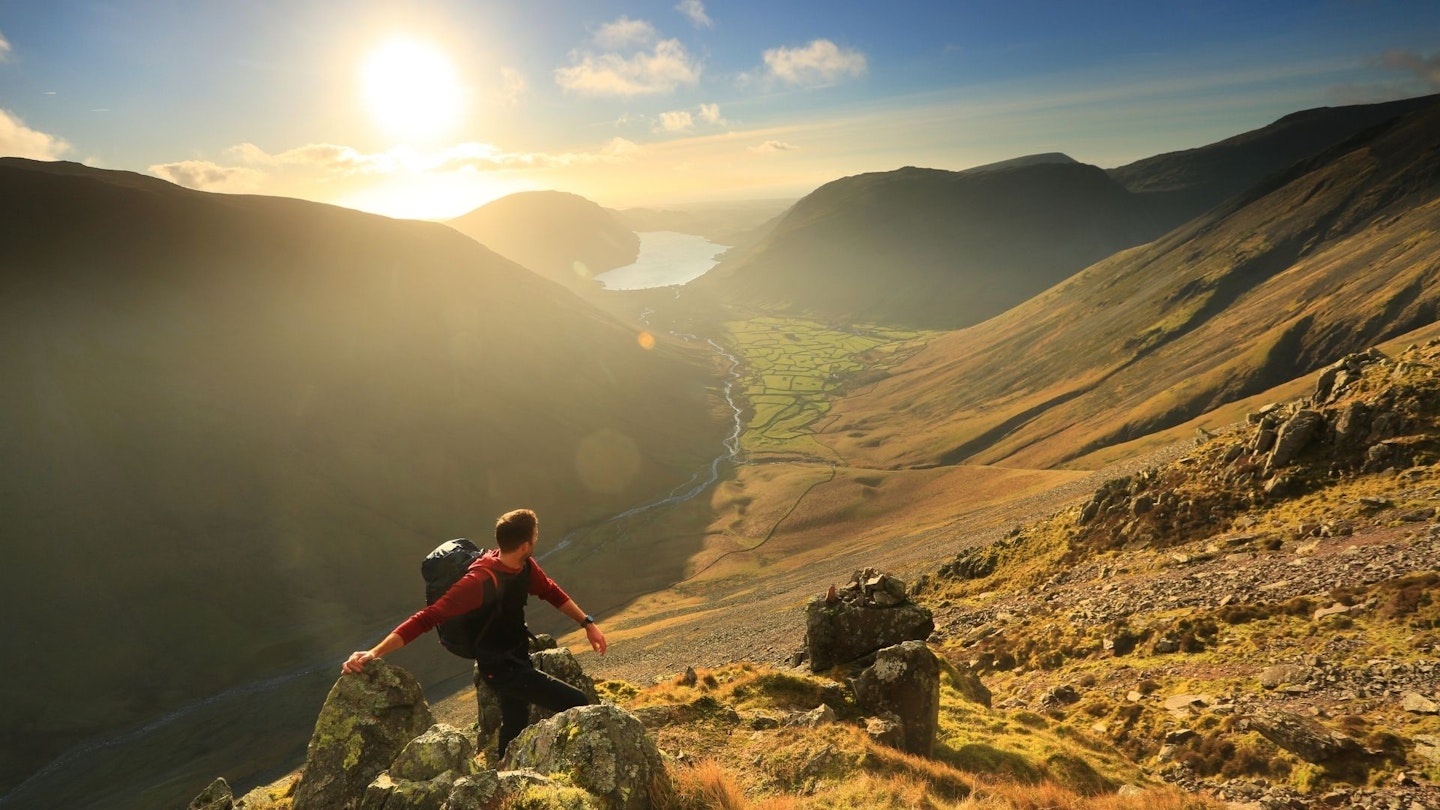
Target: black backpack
441,569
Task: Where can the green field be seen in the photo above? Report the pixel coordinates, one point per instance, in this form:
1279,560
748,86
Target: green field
793,369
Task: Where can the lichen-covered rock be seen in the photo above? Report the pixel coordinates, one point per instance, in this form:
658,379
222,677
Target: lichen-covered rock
487,711
216,796
904,682
602,749
478,791
269,797
367,718
388,793
1294,435
440,749
855,623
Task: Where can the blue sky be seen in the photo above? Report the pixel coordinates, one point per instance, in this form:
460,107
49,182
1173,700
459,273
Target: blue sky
432,107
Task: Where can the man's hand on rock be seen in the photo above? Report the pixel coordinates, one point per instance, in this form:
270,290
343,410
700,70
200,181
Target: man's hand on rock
357,661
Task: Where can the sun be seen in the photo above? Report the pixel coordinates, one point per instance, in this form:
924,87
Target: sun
412,90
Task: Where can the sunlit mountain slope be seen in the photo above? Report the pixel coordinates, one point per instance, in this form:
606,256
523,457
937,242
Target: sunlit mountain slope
1337,254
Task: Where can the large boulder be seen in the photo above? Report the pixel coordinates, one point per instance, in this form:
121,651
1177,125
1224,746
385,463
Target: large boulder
1303,737
904,685
367,719
601,749
868,614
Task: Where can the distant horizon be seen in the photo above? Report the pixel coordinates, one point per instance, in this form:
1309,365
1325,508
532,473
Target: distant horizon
435,109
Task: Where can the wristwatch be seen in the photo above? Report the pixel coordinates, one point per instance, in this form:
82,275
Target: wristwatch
588,620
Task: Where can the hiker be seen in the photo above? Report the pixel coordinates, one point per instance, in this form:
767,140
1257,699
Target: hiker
501,579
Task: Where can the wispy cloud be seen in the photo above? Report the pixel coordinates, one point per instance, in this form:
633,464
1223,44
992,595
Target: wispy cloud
253,167
512,86
676,121
685,120
661,70
774,146
207,176
625,33
19,140
4,48
1424,68
818,64
695,10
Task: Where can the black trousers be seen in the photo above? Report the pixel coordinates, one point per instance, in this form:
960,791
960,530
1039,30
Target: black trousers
518,684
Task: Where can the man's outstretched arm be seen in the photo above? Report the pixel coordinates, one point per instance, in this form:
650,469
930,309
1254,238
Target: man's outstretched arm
592,631
359,659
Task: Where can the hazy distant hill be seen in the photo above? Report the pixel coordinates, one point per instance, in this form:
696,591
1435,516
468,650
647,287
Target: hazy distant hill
1331,257
1188,183
232,424
738,223
563,237
934,248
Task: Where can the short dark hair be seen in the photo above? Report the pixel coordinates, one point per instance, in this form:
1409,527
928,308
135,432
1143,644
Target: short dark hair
515,528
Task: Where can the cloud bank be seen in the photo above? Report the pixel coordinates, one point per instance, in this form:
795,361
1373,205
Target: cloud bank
253,169
207,176
18,140
1425,68
818,64
661,70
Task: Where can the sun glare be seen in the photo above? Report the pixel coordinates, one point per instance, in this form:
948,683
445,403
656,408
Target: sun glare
412,90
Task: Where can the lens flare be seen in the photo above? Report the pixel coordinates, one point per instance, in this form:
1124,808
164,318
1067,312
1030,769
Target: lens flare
646,340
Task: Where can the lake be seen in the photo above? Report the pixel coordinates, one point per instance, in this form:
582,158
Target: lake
666,259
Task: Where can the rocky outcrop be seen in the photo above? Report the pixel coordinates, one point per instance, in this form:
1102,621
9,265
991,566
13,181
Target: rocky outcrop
870,613
367,719
903,686
601,749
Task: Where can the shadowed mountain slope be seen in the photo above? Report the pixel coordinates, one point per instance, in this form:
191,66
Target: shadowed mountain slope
232,425
932,248
563,237
1188,183
1333,256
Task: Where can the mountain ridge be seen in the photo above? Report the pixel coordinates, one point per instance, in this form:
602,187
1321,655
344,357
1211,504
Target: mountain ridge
1258,282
